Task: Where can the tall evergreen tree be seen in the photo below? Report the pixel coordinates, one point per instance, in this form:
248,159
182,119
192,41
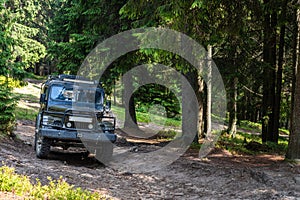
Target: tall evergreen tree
7,66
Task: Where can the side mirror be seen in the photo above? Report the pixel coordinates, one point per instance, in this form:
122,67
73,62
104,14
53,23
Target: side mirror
108,105
42,98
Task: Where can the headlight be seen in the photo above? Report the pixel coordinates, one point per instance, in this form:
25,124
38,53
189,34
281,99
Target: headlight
47,120
106,126
51,121
90,126
69,124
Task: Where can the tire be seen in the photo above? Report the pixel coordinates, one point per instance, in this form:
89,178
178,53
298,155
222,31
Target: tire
104,152
37,126
42,146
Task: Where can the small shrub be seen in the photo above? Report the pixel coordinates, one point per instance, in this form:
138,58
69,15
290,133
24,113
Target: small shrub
245,143
10,82
248,125
56,189
166,134
7,107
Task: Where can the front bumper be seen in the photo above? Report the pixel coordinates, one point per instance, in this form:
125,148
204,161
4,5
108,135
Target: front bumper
77,136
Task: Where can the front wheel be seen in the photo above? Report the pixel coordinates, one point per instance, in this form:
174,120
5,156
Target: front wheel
42,146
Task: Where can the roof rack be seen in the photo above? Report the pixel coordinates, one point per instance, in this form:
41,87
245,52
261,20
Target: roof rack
72,78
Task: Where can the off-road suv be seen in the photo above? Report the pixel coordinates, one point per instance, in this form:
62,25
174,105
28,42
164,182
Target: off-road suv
74,113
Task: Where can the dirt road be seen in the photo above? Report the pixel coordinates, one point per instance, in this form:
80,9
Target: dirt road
220,176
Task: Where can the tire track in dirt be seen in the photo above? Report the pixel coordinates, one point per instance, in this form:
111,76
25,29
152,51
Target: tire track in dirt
220,176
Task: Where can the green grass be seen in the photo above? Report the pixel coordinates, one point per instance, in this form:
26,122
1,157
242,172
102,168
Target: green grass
251,126
166,134
219,119
284,131
239,145
26,114
36,77
55,189
195,145
28,101
146,118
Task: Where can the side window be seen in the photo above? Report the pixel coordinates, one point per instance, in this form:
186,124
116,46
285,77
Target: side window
99,97
46,93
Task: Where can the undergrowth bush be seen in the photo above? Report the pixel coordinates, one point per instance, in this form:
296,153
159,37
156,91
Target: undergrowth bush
12,83
55,189
7,107
245,143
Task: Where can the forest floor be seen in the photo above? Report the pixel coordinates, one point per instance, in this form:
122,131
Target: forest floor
222,175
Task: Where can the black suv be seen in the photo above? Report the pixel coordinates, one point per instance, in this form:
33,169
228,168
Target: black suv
73,114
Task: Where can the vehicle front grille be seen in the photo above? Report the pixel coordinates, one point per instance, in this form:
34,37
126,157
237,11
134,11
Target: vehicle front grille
81,125
78,125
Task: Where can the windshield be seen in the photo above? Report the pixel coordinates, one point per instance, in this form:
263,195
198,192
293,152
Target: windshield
63,93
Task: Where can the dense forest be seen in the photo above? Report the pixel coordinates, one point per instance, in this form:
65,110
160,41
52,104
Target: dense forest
255,45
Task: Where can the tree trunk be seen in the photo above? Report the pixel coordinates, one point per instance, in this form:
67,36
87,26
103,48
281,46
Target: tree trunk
197,85
233,107
115,94
199,94
190,108
130,115
208,102
277,101
293,151
233,91
269,57
294,142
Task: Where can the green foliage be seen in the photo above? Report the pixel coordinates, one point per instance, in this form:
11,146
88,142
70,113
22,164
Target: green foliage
28,102
56,189
247,143
27,49
157,94
248,125
7,106
195,145
71,29
77,27
19,46
12,83
143,116
6,41
36,77
25,113
166,134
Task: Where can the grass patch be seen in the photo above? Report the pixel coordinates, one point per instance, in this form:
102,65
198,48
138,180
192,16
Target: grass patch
251,126
195,145
55,189
25,113
284,131
143,117
28,101
245,143
36,77
236,145
119,112
166,134
219,119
